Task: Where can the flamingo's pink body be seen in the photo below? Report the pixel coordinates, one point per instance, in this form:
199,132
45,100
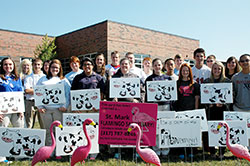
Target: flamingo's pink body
140,116
45,152
82,152
148,155
237,149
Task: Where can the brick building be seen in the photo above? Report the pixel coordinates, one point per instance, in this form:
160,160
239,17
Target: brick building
18,45
108,36
103,37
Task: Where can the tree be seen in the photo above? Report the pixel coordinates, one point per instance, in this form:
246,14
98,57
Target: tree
46,50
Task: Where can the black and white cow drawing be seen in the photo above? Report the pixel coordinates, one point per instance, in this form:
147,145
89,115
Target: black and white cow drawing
71,141
165,137
161,92
126,87
196,116
21,144
232,116
48,95
216,94
10,104
29,144
235,133
76,120
14,137
86,100
73,120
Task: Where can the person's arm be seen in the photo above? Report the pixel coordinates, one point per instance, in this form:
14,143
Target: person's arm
29,91
197,100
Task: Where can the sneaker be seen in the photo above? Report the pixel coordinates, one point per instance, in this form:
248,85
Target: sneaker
165,151
181,156
7,161
191,155
117,155
92,158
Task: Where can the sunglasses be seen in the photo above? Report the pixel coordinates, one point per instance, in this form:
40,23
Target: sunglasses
242,61
210,61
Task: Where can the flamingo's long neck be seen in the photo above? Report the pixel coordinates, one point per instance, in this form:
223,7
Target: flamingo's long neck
138,148
86,134
52,136
227,137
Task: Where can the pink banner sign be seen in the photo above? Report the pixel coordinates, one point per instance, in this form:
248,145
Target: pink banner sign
115,118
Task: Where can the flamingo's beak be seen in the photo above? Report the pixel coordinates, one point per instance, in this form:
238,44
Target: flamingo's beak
129,129
60,126
218,127
92,123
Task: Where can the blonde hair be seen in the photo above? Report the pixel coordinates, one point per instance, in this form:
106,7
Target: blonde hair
222,75
20,69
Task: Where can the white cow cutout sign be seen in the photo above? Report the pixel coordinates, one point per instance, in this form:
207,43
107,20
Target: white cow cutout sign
49,94
217,136
160,91
125,88
85,99
216,93
11,102
70,138
20,142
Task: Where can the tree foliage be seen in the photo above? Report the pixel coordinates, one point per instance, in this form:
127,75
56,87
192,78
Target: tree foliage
46,50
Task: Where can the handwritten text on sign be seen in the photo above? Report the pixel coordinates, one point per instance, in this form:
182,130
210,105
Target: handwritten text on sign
180,133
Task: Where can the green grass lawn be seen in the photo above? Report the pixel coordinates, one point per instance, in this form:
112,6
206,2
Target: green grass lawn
198,160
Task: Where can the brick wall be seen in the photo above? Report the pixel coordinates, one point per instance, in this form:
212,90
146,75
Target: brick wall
104,37
17,44
124,38
87,40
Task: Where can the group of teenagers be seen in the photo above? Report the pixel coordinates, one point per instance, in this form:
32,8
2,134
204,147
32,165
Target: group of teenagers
95,74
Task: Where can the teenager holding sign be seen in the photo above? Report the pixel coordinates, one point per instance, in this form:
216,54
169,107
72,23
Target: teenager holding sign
52,112
10,82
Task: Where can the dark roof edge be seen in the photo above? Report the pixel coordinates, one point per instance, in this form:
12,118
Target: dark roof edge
82,28
152,30
24,32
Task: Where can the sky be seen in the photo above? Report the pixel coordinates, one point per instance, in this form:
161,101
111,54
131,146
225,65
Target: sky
221,26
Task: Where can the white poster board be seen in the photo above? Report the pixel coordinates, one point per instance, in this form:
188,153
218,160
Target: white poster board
161,90
164,115
238,133
21,142
11,102
85,99
240,116
216,93
194,114
49,94
180,133
77,119
124,88
69,138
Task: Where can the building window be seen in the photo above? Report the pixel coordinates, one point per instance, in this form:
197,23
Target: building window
66,61
22,58
139,59
90,55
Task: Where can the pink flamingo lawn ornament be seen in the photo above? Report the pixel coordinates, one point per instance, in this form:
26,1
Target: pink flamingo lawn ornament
141,117
45,152
81,153
238,150
148,155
